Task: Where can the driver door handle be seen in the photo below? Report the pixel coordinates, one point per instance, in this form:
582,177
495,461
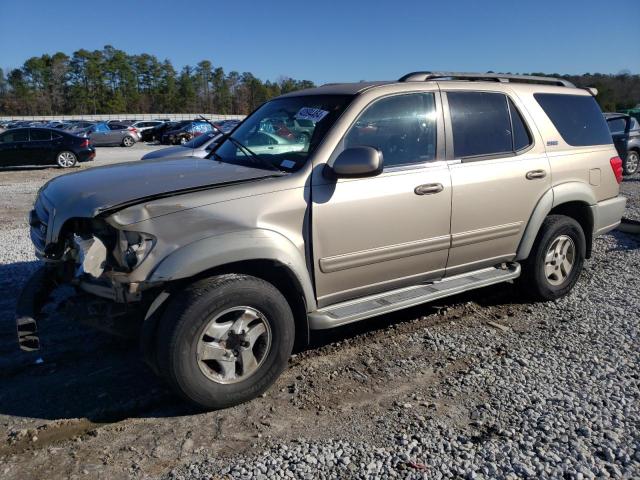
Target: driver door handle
428,189
534,174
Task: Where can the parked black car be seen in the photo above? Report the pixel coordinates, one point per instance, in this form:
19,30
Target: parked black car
156,133
625,131
43,146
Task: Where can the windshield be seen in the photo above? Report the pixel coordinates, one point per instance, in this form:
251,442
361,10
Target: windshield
283,132
200,140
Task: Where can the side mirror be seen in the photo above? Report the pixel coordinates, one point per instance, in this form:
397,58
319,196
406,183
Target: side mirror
356,162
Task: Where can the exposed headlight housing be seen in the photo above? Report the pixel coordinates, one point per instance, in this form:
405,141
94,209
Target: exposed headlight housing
134,247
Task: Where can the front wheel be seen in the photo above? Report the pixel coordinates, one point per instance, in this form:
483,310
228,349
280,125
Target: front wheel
225,340
128,141
66,159
556,260
631,162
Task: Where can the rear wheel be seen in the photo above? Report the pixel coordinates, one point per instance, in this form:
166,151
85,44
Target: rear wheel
128,141
225,340
631,163
556,260
66,159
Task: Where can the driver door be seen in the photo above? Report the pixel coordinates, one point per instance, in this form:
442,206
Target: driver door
392,230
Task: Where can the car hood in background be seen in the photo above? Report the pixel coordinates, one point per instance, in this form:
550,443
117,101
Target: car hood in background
170,152
101,189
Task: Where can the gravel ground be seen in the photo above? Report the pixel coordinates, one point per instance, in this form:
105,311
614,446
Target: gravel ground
481,385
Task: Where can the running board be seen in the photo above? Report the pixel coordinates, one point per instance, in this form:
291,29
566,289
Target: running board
371,306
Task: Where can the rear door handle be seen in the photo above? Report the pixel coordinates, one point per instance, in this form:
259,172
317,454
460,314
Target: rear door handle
534,174
428,189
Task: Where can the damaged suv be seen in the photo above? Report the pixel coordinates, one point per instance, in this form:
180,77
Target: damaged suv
399,193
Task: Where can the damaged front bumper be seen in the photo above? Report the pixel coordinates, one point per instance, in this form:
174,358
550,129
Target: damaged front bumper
117,309
34,296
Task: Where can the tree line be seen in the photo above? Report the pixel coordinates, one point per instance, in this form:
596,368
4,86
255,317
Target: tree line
110,81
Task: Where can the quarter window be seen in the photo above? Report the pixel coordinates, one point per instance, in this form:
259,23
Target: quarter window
402,127
521,136
577,118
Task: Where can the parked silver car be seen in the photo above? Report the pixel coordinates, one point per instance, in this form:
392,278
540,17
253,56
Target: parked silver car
102,134
199,147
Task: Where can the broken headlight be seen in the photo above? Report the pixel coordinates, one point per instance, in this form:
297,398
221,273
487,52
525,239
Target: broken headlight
134,248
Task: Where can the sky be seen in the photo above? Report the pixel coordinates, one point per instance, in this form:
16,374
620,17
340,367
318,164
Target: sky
333,41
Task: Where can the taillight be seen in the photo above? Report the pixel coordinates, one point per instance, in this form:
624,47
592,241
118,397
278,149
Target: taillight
85,143
616,166
133,129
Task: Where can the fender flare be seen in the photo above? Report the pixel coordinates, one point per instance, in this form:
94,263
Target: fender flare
557,195
224,249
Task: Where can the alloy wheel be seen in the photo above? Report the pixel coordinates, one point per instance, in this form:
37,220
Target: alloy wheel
66,159
559,260
233,345
632,161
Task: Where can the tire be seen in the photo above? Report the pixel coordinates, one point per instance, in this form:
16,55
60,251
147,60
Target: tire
220,382
66,159
631,162
183,140
128,141
554,232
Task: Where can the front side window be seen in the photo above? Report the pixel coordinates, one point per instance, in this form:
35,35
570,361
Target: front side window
21,135
577,118
402,127
267,140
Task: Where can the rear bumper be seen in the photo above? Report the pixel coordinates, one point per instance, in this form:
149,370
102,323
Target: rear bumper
608,214
87,155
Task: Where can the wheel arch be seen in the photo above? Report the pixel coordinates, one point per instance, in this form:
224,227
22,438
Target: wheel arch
572,199
260,253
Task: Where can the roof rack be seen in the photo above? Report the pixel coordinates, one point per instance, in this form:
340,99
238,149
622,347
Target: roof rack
495,77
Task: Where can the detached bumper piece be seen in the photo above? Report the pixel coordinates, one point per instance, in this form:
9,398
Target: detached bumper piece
32,298
629,226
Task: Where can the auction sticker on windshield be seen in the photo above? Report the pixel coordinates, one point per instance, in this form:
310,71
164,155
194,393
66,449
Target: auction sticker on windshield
313,114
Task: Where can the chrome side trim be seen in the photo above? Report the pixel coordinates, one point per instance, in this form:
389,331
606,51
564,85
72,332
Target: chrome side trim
383,254
373,305
485,234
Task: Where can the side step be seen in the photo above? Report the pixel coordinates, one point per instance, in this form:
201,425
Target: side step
371,306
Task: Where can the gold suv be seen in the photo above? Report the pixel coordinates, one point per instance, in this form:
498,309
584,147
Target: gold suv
324,207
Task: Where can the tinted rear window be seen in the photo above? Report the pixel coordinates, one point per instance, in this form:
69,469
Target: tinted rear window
40,135
577,118
481,124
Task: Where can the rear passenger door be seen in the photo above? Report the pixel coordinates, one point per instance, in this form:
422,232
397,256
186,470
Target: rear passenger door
499,171
39,147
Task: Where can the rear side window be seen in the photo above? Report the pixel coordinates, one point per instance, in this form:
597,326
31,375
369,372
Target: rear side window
40,135
617,125
577,118
481,124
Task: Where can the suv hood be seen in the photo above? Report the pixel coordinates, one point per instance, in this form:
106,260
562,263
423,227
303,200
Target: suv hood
91,192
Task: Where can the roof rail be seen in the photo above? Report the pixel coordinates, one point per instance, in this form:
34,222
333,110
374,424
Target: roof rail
495,77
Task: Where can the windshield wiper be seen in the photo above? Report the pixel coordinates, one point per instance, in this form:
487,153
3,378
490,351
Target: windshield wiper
264,162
